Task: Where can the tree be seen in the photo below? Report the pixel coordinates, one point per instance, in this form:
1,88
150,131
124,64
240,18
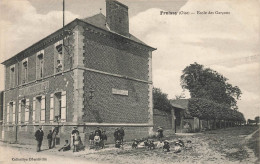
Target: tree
257,120
208,84
160,100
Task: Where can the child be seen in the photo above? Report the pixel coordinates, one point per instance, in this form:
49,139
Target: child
166,146
177,147
160,133
160,145
66,147
146,143
97,140
134,144
103,139
151,145
77,141
118,144
91,140
188,145
181,143
49,137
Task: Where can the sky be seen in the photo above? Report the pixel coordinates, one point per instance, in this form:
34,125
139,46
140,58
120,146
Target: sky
229,44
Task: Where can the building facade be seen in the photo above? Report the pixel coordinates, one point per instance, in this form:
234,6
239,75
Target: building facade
90,73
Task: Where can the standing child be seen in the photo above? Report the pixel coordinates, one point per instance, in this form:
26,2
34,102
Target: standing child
116,134
97,140
49,138
160,133
103,139
91,140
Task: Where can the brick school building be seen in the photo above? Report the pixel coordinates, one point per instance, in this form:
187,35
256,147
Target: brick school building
91,73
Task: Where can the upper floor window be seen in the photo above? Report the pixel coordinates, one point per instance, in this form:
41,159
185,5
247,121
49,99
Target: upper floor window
59,57
12,76
39,64
25,71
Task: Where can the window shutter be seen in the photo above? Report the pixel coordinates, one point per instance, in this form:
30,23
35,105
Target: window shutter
7,114
13,112
43,109
51,108
34,110
63,106
27,111
37,67
19,112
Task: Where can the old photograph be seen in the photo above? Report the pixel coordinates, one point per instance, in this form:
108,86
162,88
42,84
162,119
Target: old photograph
129,81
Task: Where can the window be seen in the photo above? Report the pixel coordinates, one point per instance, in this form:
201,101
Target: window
39,109
12,76
21,115
58,109
10,113
25,71
7,114
26,107
39,64
58,59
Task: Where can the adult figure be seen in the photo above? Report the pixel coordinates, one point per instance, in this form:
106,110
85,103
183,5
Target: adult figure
54,134
122,134
39,137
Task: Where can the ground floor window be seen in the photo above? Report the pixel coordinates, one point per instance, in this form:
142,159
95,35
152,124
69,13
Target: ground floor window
58,112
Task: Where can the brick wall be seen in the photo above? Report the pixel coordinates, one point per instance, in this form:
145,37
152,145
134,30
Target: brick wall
115,55
163,119
110,108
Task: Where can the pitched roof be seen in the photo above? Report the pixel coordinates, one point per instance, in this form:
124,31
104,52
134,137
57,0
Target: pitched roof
99,20
180,103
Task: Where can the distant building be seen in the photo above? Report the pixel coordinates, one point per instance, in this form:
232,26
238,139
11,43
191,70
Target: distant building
91,73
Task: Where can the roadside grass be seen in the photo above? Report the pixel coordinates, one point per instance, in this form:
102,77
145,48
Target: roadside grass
231,141
254,144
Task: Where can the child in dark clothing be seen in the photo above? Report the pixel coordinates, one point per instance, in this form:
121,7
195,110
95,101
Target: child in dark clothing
134,144
91,140
66,147
166,146
151,145
118,144
160,133
103,139
49,138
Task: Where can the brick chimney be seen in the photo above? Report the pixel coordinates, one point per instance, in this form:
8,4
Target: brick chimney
117,17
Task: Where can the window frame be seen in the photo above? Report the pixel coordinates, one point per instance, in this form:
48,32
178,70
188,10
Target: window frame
12,76
24,77
39,65
56,57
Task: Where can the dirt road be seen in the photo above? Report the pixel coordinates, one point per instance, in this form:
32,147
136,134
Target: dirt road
218,146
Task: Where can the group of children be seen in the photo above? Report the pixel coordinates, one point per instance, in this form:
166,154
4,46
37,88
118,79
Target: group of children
97,139
165,145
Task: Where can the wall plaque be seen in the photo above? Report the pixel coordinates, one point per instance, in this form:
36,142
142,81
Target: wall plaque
120,92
